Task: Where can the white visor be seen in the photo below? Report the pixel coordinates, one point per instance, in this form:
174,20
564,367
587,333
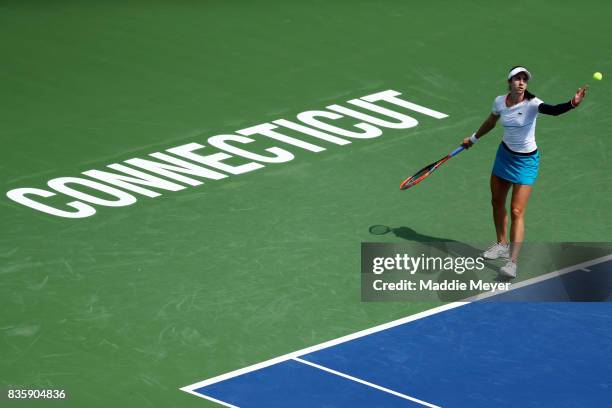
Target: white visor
518,70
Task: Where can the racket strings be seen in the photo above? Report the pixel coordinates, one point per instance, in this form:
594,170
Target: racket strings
427,170
418,176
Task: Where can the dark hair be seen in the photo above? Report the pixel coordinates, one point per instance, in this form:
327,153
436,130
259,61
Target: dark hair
528,95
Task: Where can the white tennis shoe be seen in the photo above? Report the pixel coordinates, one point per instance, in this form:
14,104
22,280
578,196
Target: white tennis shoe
508,270
497,250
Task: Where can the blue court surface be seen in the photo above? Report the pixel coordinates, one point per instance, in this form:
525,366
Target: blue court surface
462,354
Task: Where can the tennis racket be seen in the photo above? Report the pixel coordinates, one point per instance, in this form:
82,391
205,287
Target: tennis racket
427,170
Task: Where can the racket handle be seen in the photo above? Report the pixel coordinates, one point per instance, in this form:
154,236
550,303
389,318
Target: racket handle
456,151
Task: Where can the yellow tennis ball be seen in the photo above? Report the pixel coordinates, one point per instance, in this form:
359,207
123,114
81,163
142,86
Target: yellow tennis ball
597,76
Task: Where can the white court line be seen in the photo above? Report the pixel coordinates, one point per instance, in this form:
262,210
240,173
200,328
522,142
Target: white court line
581,266
225,404
359,380
190,388
321,346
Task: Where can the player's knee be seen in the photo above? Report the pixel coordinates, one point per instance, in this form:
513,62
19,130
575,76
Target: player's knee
517,212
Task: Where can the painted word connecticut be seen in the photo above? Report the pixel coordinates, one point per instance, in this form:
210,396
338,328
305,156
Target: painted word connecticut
187,165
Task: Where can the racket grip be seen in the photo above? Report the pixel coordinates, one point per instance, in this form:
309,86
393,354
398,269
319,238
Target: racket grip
456,151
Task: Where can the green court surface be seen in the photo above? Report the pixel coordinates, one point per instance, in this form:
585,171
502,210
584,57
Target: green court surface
128,305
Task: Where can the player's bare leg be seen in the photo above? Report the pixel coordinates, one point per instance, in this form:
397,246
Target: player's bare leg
520,196
499,193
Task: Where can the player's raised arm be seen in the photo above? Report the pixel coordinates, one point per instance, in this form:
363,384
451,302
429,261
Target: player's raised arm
556,110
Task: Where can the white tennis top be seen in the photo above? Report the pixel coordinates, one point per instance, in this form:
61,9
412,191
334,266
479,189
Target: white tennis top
519,122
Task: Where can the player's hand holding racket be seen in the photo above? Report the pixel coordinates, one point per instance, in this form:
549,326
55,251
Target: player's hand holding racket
467,143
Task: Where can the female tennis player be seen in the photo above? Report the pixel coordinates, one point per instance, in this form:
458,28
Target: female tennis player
517,160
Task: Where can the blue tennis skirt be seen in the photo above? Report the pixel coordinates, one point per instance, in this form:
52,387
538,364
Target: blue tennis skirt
517,168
